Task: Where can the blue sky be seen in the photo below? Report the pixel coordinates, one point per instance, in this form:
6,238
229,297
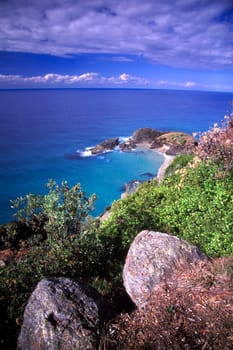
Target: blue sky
173,44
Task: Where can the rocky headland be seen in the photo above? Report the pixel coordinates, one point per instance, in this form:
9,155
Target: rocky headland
170,143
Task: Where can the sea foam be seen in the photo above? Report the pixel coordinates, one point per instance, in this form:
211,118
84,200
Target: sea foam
87,151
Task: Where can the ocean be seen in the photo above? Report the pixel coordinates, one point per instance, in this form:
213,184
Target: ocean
42,132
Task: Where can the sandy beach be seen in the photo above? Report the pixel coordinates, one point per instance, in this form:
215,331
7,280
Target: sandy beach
168,159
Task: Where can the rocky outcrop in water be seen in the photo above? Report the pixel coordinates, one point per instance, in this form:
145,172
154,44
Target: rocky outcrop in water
171,143
104,146
62,314
151,259
146,135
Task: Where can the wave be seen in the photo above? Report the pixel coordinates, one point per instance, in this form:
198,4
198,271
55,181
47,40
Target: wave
86,153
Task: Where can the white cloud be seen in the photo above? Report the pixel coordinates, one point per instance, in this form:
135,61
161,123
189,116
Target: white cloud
83,80
121,59
186,84
9,78
190,33
190,84
93,79
50,78
127,79
124,77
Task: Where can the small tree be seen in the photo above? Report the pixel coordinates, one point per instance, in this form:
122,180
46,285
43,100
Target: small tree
60,212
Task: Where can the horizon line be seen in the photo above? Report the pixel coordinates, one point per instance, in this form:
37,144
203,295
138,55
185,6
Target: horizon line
111,88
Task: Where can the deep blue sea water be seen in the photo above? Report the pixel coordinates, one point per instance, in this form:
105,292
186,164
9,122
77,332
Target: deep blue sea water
41,130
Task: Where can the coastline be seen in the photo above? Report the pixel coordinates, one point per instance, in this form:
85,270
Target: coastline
168,159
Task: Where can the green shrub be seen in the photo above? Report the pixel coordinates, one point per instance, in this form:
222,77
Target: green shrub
136,212
88,258
200,210
195,204
15,234
52,241
178,163
63,209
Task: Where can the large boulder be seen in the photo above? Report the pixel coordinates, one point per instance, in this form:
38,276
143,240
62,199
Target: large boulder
151,259
62,314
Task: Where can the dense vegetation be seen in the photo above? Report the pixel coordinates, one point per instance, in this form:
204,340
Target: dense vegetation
195,204
55,236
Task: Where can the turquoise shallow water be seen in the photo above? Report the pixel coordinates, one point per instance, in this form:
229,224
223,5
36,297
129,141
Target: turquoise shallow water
113,170
41,131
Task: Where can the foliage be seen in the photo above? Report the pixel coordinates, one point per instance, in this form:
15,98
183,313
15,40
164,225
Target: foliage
61,212
175,138
217,143
134,213
14,234
65,208
51,240
199,208
178,163
195,204
89,258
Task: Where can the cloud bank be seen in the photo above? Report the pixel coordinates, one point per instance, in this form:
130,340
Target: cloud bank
90,79
93,80
181,33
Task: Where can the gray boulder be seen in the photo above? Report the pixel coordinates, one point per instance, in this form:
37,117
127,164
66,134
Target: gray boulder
62,314
151,259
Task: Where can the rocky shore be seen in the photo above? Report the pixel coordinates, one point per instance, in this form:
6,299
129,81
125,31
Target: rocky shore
170,143
167,143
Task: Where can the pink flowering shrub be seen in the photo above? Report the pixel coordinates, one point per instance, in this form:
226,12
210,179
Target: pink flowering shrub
217,144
